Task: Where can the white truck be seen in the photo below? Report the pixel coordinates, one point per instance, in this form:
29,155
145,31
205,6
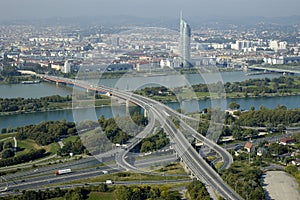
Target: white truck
108,182
63,171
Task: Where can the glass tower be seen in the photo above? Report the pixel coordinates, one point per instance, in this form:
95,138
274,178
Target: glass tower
184,42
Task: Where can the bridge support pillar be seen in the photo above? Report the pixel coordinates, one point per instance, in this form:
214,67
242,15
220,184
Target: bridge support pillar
57,82
127,107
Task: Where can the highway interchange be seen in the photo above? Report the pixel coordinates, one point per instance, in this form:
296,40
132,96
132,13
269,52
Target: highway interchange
196,164
157,112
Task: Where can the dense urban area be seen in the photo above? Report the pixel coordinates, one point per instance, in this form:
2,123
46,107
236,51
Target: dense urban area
136,155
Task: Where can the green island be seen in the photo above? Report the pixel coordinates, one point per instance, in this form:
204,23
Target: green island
282,86
10,106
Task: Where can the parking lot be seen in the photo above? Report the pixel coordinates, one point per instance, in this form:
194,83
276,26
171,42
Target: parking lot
279,185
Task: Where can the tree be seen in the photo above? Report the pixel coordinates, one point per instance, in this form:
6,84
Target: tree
7,145
197,190
122,193
1,146
3,130
291,169
102,188
233,105
8,153
146,146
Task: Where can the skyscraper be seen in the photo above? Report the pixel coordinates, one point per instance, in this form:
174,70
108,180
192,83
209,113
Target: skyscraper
184,42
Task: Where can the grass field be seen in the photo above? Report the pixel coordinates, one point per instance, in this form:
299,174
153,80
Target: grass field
126,176
172,168
53,148
25,146
71,139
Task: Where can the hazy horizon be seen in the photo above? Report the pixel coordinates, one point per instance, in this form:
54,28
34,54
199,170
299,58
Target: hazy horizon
36,9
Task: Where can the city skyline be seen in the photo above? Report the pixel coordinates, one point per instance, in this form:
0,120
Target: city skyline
33,9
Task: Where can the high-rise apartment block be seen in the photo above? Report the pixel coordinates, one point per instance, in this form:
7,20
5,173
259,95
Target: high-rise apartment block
185,42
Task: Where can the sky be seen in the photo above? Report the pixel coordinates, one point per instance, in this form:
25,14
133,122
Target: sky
37,9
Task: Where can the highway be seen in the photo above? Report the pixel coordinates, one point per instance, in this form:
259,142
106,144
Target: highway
197,165
42,177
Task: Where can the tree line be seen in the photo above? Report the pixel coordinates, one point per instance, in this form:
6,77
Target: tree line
46,133
32,155
269,117
30,104
76,193
254,87
119,193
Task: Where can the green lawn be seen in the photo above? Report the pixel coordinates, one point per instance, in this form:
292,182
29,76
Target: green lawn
126,176
218,165
53,148
71,139
25,146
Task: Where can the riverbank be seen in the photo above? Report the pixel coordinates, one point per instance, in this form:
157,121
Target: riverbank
63,106
207,96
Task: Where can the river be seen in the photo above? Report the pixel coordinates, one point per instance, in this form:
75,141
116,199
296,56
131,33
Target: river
129,83
46,89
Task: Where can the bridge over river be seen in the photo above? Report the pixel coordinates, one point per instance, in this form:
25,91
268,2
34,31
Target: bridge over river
283,70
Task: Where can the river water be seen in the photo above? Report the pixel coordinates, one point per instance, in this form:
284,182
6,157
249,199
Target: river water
132,83
129,83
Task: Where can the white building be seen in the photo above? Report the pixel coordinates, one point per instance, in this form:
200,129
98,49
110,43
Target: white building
165,63
241,44
277,45
67,67
275,61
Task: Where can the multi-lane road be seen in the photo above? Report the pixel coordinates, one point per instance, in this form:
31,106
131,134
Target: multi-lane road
37,179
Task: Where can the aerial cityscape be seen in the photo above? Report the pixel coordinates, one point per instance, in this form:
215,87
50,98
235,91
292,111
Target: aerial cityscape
134,105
